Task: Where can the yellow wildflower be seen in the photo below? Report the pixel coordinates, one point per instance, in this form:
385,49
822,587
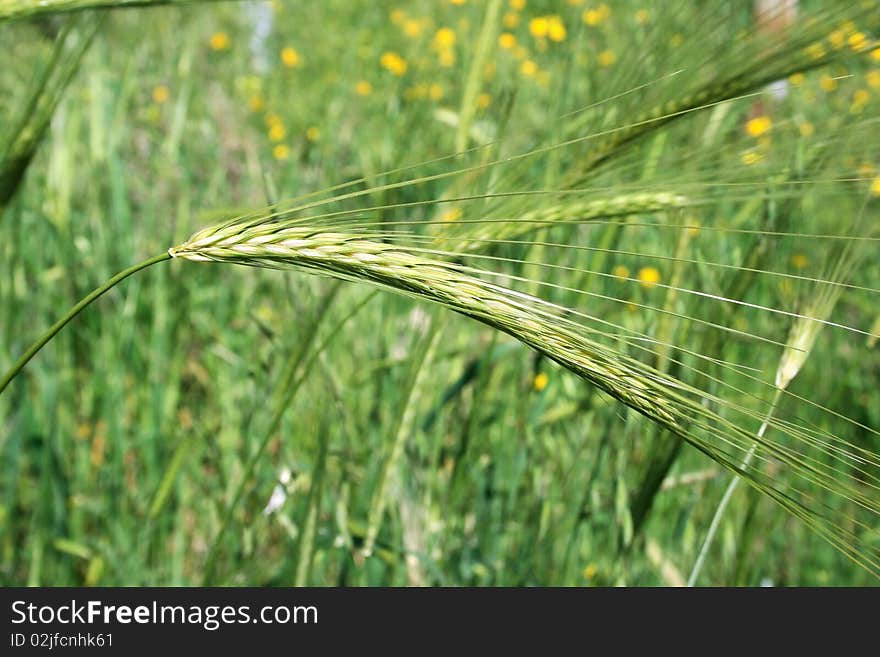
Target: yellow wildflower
875,186
281,152
590,571
444,38
507,41
752,157
256,103
393,62
796,79
510,20
758,126
858,41
556,29
837,39
446,58
518,5
642,16
861,97
620,271
289,57
435,91
827,83
806,129
648,277
528,68
412,28
597,16
483,100
540,381
873,79
312,133
451,214
415,92
398,16
875,54
798,261
591,17
607,58
277,132
539,26
363,88
816,50
219,41
160,94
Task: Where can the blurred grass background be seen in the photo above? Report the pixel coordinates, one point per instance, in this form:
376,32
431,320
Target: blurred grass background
128,438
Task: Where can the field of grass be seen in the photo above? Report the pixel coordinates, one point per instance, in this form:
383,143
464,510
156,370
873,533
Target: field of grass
533,279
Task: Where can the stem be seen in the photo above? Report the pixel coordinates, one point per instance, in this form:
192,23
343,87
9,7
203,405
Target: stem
725,499
421,360
73,312
297,370
485,44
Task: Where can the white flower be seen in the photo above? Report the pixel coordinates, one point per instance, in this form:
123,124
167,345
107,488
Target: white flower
279,493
